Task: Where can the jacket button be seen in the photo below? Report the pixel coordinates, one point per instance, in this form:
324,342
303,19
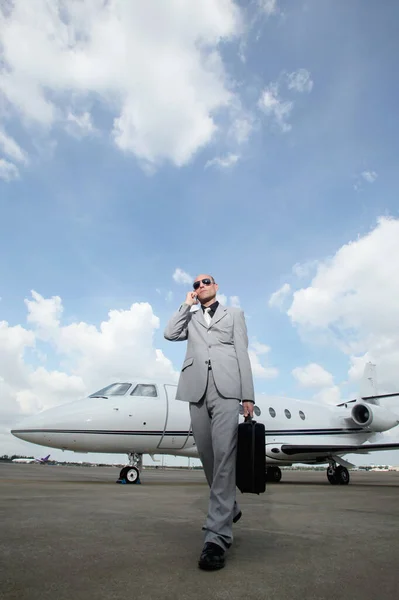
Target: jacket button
206,362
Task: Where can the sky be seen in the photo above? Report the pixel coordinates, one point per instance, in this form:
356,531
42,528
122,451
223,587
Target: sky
144,143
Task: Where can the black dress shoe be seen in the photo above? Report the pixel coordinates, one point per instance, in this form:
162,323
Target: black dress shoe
212,557
237,517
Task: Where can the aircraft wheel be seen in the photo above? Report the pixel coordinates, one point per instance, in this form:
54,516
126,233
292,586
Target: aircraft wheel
130,474
273,474
276,475
343,476
332,476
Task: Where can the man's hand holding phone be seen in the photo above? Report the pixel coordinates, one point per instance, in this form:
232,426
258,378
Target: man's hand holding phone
191,298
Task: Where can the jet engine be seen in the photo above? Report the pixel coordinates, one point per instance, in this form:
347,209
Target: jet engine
376,418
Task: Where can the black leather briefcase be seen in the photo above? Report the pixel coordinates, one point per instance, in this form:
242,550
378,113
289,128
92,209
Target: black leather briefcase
251,459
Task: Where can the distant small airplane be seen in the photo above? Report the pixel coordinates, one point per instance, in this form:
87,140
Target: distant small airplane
41,461
143,417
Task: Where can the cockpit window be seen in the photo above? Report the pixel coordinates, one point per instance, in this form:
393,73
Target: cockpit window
143,389
115,389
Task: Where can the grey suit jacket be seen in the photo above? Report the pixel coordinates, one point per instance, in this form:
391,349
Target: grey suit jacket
224,343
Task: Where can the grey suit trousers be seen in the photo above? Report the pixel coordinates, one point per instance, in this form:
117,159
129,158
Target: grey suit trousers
214,422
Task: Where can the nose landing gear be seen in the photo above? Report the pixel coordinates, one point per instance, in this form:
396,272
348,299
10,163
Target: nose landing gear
131,473
337,475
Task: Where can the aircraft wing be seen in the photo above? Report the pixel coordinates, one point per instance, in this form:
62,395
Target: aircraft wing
291,449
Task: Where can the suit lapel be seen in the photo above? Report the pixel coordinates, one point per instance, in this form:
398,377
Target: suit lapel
199,316
221,312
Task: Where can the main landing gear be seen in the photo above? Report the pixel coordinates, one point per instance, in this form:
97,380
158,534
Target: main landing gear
273,474
337,475
131,474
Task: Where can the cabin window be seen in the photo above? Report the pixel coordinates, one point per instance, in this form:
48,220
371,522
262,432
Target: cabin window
302,415
287,413
142,389
115,389
272,412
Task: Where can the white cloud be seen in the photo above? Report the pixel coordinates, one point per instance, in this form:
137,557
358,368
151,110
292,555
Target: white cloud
259,348
235,301
182,277
11,148
353,300
277,299
316,377
273,106
305,269
268,6
80,125
13,343
223,162
44,313
8,171
80,51
328,395
313,375
49,388
231,301
369,176
255,350
300,81
241,129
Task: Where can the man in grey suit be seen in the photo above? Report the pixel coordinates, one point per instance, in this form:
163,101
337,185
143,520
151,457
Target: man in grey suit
216,375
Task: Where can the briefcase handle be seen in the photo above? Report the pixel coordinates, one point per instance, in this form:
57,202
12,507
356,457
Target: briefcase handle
249,419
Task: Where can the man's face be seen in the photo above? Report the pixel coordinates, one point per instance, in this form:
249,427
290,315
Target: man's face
205,291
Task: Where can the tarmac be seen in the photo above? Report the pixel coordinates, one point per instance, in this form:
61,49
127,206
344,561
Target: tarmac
71,533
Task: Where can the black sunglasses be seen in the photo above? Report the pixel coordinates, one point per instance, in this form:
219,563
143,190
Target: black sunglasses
206,281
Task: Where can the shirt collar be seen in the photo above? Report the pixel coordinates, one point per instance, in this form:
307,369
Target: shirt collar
212,307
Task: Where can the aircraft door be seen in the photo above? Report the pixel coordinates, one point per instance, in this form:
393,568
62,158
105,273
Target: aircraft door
178,422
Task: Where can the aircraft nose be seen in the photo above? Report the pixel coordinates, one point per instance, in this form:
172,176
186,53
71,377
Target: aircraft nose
32,429
45,428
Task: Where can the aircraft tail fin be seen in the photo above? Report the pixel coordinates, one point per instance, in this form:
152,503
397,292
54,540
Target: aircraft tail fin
368,384
369,388
44,459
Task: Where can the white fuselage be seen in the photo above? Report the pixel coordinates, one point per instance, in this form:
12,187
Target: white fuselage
161,425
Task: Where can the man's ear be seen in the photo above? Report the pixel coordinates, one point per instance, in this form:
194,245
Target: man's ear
216,286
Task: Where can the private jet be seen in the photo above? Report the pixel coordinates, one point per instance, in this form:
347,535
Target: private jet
143,417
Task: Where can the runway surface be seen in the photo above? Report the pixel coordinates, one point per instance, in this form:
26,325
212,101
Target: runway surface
71,533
